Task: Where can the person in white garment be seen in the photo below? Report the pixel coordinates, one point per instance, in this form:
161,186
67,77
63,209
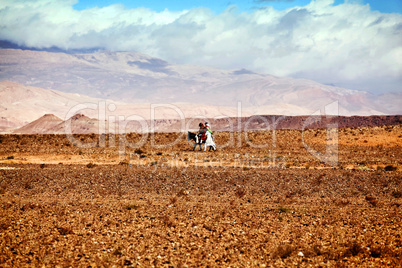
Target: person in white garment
209,141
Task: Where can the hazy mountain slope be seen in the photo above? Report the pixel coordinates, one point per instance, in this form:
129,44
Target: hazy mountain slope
7,125
138,78
20,105
392,102
23,104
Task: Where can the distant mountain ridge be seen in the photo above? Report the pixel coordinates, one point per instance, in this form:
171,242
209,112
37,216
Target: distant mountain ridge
81,124
20,105
138,78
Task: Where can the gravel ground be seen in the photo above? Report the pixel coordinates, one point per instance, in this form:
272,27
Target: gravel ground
88,207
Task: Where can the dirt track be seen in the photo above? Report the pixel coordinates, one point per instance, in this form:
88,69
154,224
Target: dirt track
241,206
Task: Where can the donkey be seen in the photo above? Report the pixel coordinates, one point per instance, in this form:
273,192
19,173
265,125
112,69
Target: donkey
197,141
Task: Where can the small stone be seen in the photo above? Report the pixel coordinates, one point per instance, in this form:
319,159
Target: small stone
300,254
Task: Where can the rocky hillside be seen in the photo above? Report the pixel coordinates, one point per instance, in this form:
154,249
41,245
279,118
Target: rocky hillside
81,124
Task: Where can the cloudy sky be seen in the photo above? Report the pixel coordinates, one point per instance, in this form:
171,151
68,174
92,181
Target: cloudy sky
354,44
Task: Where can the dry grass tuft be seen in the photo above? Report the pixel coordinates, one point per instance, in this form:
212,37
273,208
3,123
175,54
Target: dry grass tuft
390,168
240,192
91,165
372,200
65,230
132,207
168,221
353,249
173,200
396,193
283,251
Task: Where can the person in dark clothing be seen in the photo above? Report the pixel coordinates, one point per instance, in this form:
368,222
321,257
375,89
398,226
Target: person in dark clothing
202,131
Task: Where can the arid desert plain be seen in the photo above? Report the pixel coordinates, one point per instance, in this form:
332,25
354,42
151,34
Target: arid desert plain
263,199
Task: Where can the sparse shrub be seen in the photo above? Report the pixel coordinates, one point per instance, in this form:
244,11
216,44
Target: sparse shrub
127,263
3,187
283,209
91,165
168,221
390,168
317,180
3,226
240,192
317,249
232,204
42,166
397,194
132,206
314,251
283,251
124,163
208,227
10,157
159,153
28,185
117,251
65,230
372,200
173,200
139,151
289,194
154,163
143,156
375,251
352,249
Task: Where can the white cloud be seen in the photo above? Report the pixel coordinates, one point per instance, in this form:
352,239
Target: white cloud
347,44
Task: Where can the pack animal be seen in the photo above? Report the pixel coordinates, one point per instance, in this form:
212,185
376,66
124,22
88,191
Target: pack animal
198,141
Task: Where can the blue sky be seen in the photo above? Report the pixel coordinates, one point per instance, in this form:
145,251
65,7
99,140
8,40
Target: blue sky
354,44
384,6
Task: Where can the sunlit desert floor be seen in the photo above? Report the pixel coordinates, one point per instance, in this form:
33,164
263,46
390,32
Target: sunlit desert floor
281,199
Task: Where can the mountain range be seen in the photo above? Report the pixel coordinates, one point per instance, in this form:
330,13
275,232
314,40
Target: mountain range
20,105
81,124
35,83
137,78
32,110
